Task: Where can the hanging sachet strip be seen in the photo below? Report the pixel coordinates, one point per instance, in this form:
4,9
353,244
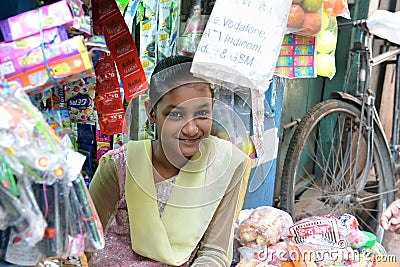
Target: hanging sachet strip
108,21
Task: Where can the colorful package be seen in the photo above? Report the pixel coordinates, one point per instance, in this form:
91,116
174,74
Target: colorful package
107,18
297,57
112,123
102,148
30,22
167,28
23,47
23,62
106,74
148,48
80,100
108,102
67,67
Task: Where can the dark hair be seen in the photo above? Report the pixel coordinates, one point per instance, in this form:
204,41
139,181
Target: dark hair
156,93
171,61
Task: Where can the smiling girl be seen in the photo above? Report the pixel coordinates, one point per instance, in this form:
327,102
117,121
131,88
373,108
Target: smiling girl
171,201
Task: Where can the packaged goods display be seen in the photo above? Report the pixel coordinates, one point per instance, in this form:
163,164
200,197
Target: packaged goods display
74,89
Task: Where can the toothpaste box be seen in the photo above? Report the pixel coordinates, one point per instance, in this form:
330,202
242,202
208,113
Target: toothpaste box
33,21
34,58
25,46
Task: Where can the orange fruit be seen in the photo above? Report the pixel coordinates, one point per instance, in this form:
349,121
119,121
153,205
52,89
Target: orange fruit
328,5
296,17
335,7
312,24
339,7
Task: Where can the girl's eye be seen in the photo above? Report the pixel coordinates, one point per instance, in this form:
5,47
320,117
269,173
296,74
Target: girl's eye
203,114
174,114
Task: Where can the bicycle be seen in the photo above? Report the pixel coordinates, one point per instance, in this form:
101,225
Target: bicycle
339,160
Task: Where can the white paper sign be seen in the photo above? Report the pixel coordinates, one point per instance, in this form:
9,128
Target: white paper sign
242,41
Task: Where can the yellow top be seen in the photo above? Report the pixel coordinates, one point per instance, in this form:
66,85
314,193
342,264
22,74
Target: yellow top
203,205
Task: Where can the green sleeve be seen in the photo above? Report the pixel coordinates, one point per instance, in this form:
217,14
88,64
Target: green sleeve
104,190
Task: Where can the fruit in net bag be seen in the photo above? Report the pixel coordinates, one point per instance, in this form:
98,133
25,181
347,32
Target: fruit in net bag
312,24
312,5
326,42
325,64
336,8
296,16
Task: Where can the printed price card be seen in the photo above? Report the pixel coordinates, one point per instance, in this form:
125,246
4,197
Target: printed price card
242,41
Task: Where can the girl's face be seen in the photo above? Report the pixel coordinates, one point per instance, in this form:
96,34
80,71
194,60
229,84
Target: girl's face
183,119
196,11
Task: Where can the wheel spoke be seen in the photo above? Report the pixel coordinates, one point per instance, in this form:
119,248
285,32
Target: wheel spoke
322,171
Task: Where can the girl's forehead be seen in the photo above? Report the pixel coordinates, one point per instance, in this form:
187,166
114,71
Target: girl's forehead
188,92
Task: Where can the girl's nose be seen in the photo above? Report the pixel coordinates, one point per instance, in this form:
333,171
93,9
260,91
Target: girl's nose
190,128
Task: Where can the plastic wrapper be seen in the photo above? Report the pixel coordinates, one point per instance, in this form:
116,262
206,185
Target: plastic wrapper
320,253
252,263
167,28
272,255
341,231
326,47
265,226
193,20
148,37
88,214
337,8
31,143
305,17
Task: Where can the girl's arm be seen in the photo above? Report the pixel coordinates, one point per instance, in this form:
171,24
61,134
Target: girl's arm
217,245
104,190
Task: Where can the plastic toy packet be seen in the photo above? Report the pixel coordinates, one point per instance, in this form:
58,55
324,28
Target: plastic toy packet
264,227
28,141
305,17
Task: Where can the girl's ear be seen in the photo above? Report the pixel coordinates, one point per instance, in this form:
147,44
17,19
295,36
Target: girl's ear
150,112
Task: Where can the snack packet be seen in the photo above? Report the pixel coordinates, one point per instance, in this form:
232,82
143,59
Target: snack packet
265,226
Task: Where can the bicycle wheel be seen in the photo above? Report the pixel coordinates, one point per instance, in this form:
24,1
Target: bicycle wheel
316,178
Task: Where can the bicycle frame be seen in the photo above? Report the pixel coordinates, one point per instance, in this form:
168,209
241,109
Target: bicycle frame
366,95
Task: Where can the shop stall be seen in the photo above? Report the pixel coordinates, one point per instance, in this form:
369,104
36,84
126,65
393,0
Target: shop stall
74,86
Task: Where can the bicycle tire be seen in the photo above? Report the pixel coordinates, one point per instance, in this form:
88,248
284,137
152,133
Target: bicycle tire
331,193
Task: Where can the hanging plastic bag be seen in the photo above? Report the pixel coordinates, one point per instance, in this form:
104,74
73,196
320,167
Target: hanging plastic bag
240,50
385,24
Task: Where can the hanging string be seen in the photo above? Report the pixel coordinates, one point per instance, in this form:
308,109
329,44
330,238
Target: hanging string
48,70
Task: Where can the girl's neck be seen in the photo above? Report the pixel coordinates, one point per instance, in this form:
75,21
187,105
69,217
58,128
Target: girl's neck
162,167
